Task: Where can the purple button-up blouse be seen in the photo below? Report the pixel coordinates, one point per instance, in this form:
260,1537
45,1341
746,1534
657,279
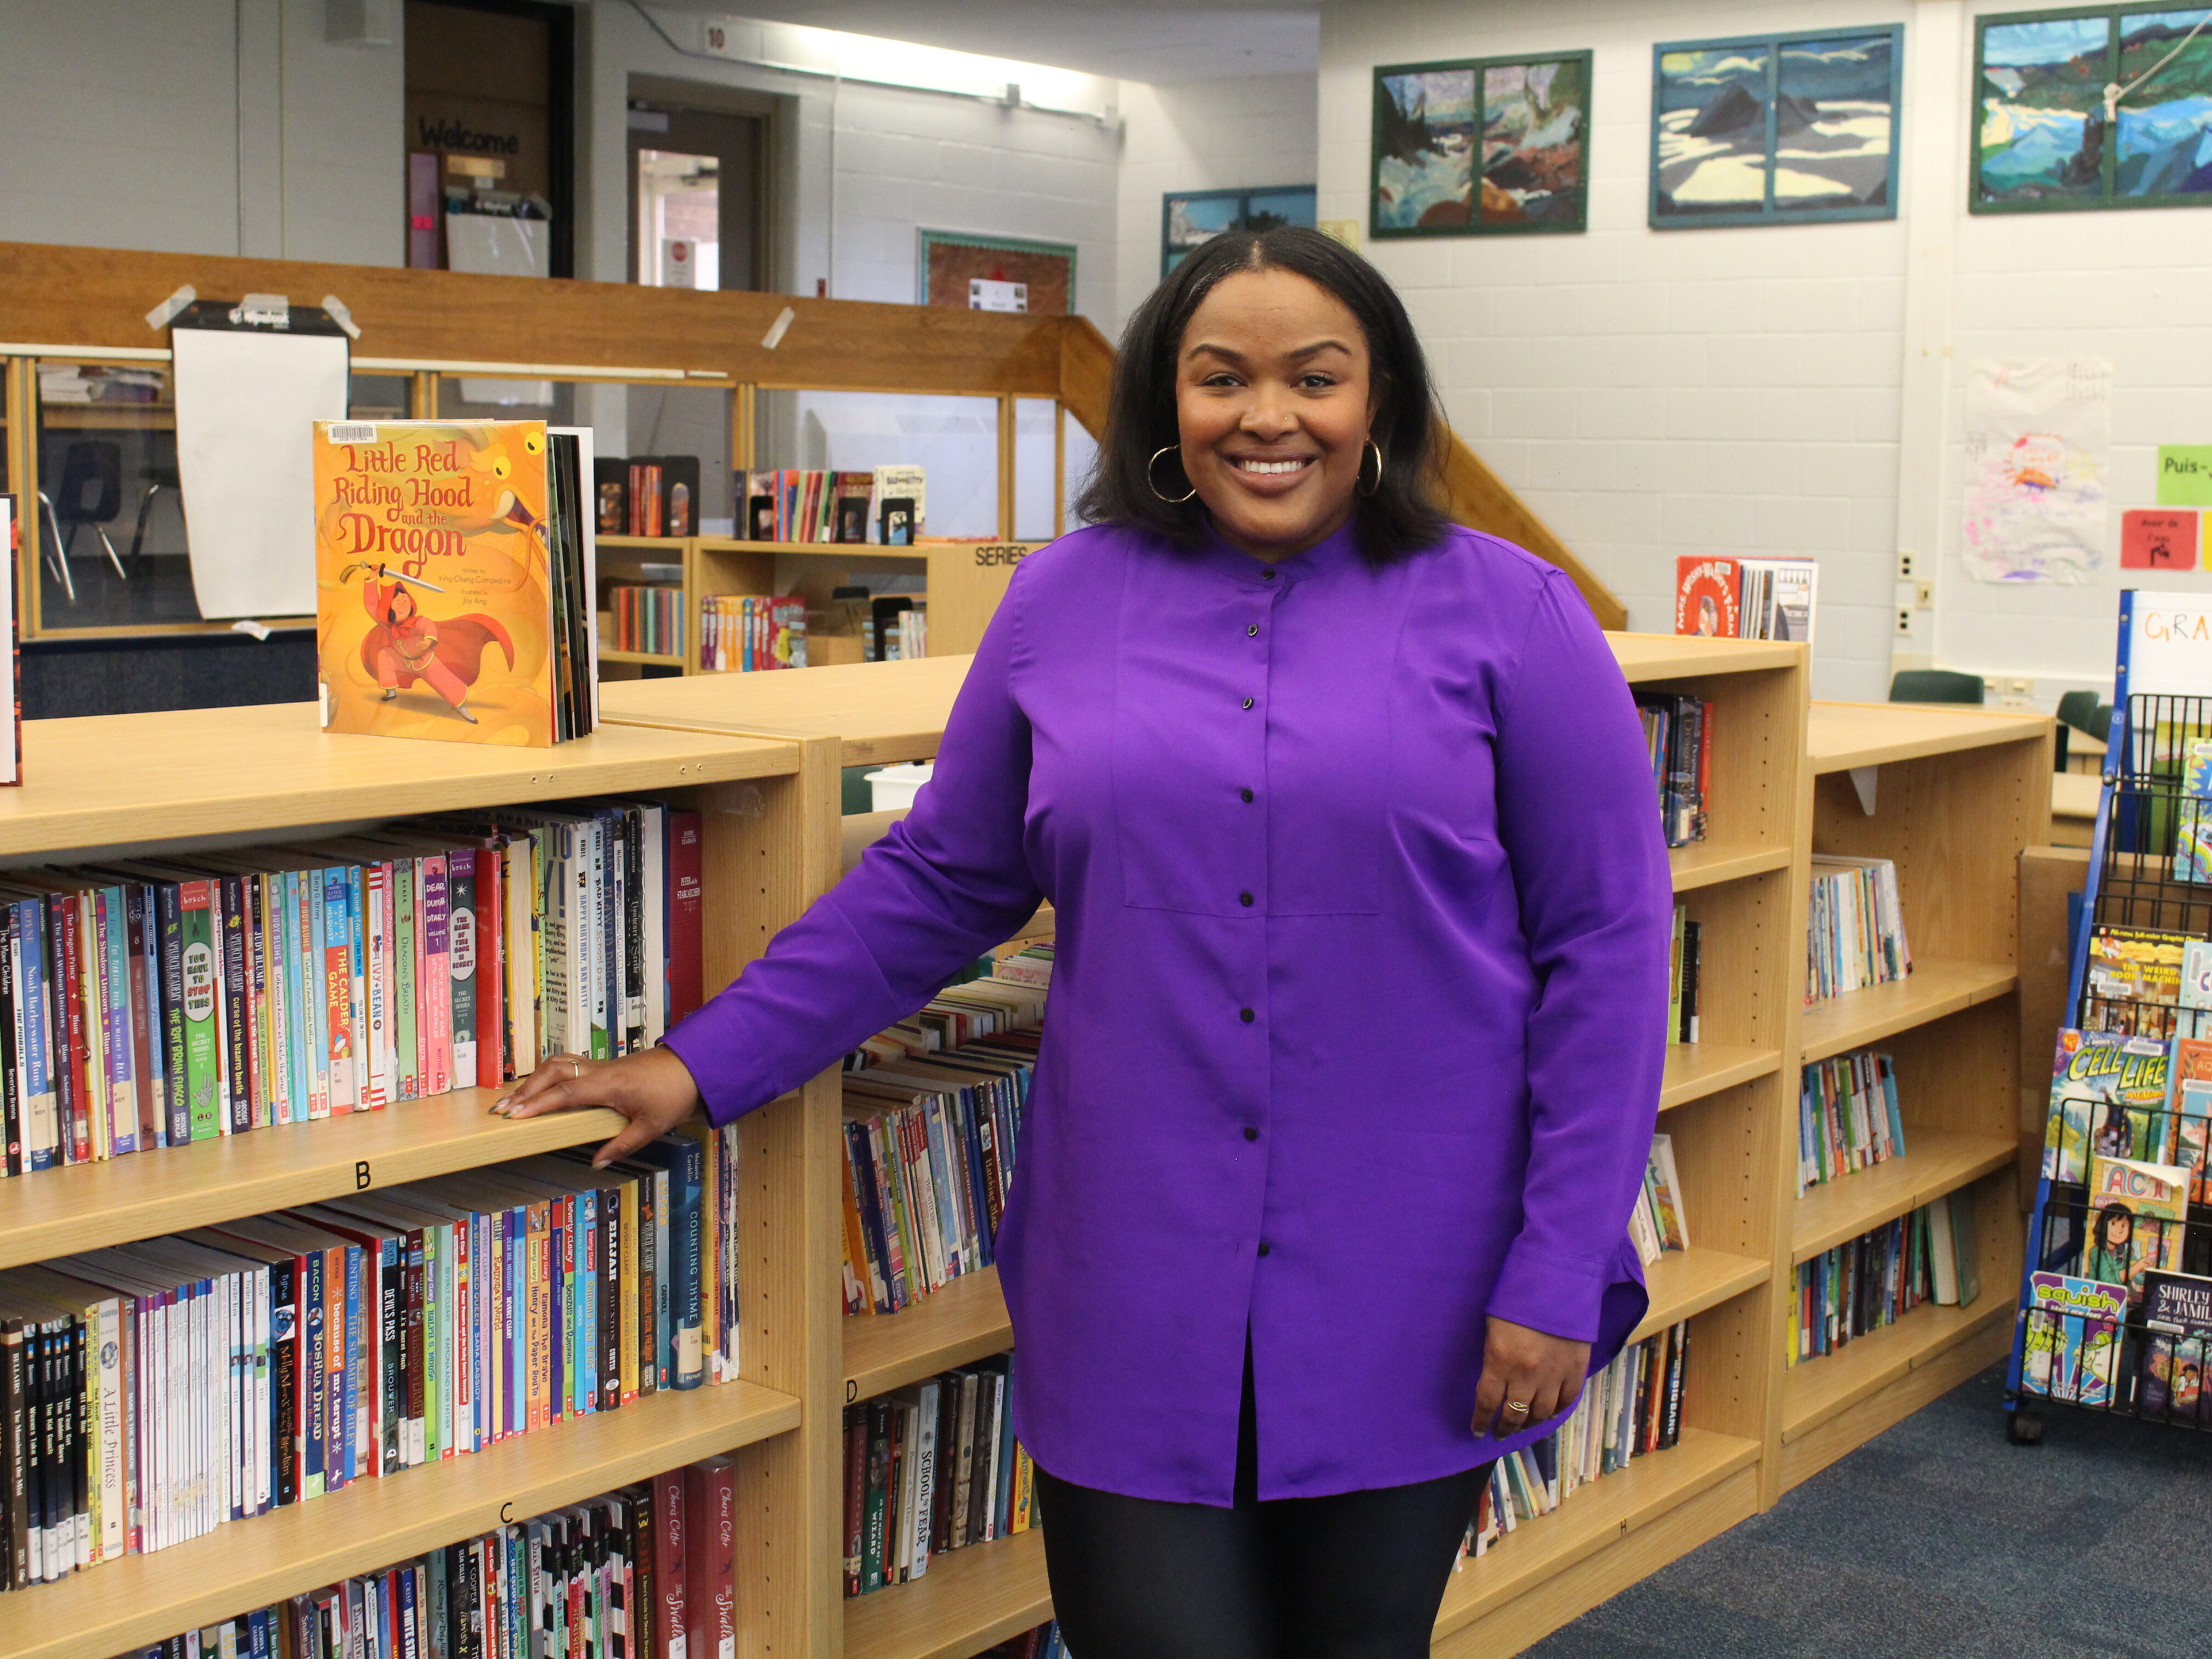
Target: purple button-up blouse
1358,1016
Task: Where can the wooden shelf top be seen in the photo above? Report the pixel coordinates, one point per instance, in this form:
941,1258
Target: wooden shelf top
672,658
1592,1518
1936,985
968,1600
88,1205
642,544
143,1599
1673,657
884,712
1683,1283
1703,863
1843,735
105,780
816,550
1695,1070
1836,1211
957,1326
1814,1390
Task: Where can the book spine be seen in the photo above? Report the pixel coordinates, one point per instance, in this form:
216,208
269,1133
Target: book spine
231,1009
357,1062
464,938
686,893
437,976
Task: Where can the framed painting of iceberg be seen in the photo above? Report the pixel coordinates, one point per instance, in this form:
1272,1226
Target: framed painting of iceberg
1777,129
1481,147
2109,106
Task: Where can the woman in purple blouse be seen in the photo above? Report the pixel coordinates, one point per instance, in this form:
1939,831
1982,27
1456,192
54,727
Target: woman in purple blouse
1356,1025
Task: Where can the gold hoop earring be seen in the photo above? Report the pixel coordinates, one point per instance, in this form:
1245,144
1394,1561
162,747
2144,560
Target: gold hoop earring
1359,479
1165,449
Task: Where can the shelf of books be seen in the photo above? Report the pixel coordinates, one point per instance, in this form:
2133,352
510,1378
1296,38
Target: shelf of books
259,985
1730,1083
1904,1211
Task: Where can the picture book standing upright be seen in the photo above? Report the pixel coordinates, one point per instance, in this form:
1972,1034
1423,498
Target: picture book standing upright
454,575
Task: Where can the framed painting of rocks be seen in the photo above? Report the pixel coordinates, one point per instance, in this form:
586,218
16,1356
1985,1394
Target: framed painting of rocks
1781,129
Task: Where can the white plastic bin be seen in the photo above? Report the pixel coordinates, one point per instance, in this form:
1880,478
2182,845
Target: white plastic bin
893,787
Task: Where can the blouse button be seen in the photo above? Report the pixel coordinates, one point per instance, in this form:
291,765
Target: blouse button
1263,1247
1267,575
1247,703
1247,794
1244,898
1251,630
1251,1135
1246,1015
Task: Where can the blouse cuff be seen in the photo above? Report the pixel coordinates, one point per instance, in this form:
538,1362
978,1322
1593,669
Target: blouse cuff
724,1102
1561,1295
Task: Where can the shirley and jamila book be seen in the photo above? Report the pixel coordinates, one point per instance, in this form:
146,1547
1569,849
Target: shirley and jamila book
454,575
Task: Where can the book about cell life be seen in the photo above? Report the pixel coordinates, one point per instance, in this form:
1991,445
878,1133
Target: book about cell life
454,576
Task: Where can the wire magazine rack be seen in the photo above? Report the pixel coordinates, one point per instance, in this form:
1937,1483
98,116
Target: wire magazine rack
2070,1349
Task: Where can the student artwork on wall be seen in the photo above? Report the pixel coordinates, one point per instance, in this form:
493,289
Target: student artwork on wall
2052,139
1780,128
2039,444
995,273
1481,146
1190,218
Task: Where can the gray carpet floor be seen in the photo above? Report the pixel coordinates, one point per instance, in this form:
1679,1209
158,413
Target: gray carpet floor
1938,1538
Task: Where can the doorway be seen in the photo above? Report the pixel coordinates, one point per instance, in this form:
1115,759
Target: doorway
697,196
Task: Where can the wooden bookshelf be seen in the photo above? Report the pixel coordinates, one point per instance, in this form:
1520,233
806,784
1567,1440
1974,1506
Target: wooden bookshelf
1730,1103
1952,794
177,783
143,1599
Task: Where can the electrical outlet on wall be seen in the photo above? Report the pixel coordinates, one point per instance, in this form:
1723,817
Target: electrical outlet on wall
1904,619
1905,565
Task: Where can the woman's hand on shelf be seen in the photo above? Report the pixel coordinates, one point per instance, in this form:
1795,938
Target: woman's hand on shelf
652,1088
1539,1374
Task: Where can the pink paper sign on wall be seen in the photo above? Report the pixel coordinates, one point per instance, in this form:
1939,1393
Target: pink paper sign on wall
2160,539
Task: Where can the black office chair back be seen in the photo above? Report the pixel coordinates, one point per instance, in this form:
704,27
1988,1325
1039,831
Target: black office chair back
1934,686
92,484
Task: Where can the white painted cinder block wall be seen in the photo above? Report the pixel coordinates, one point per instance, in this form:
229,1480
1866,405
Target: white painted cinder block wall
1203,135
1781,390
203,126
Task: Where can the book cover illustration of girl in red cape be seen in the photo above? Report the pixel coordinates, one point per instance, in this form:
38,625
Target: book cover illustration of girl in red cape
406,646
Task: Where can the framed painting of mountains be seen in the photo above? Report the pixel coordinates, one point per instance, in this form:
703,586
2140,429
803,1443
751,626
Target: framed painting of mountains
1777,129
1481,146
2109,106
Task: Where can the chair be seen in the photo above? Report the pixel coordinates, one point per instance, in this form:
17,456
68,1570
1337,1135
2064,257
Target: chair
2081,711
91,493
156,479
1934,686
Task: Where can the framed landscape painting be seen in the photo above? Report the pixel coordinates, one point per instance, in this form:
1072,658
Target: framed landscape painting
1782,129
1481,146
1190,218
2047,141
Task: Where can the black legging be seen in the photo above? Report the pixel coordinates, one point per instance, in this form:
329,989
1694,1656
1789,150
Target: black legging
1357,1575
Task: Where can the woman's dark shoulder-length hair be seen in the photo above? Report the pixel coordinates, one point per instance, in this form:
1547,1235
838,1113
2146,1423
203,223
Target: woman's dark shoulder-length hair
1401,517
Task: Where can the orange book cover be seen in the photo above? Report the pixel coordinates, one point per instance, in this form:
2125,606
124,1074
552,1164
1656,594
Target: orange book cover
433,579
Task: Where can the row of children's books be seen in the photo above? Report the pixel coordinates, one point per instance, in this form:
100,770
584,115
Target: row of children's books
2083,1346
644,1572
1042,1642
1682,980
933,1114
931,1468
150,1002
1857,935
744,632
802,504
153,1390
1678,740
647,494
1930,1255
903,635
1633,1407
1746,598
1659,1223
649,619
1847,1116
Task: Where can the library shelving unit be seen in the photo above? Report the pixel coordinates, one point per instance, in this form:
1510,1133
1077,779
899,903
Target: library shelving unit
1730,1103
965,581
1952,794
177,782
